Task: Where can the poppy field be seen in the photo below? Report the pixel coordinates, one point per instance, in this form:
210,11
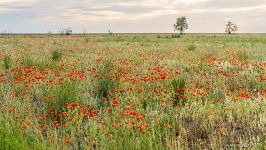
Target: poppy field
133,91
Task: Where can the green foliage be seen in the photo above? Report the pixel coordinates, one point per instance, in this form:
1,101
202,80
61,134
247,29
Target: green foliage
56,55
181,24
191,47
204,85
7,62
65,93
178,90
12,138
28,61
39,63
243,55
106,84
218,95
42,64
230,27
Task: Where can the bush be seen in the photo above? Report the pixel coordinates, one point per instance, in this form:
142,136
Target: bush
28,61
191,47
56,55
65,93
106,83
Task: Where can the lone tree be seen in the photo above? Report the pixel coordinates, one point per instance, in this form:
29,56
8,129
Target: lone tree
230,27
68,31
181,24
109,31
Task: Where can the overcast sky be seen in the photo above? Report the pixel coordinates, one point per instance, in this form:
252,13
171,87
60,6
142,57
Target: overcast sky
204,16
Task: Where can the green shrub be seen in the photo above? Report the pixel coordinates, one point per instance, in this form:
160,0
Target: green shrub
28,61
65,93
191,47
106,83
56,55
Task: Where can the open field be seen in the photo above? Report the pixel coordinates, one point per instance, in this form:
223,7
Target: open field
133,91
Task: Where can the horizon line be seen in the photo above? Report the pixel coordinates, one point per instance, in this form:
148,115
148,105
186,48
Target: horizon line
79,33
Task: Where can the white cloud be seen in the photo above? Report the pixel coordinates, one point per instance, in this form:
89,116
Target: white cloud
17,2
7,6
203,15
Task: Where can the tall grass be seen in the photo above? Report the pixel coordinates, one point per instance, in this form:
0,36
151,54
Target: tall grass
63,94
11,136
106,83
40,63
56,55
178,89
191,47
7,62
244,55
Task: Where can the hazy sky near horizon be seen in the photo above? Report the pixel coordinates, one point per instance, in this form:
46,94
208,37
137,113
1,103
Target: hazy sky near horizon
204,16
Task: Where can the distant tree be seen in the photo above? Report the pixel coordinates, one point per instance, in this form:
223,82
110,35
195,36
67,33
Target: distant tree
5,32
49,32
84,31
65,31
61,31
181,25
230,27
68,31
109,31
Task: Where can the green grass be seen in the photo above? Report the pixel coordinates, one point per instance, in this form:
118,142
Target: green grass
133,91
56,55
7,62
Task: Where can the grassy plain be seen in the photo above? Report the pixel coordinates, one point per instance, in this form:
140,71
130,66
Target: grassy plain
133,91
